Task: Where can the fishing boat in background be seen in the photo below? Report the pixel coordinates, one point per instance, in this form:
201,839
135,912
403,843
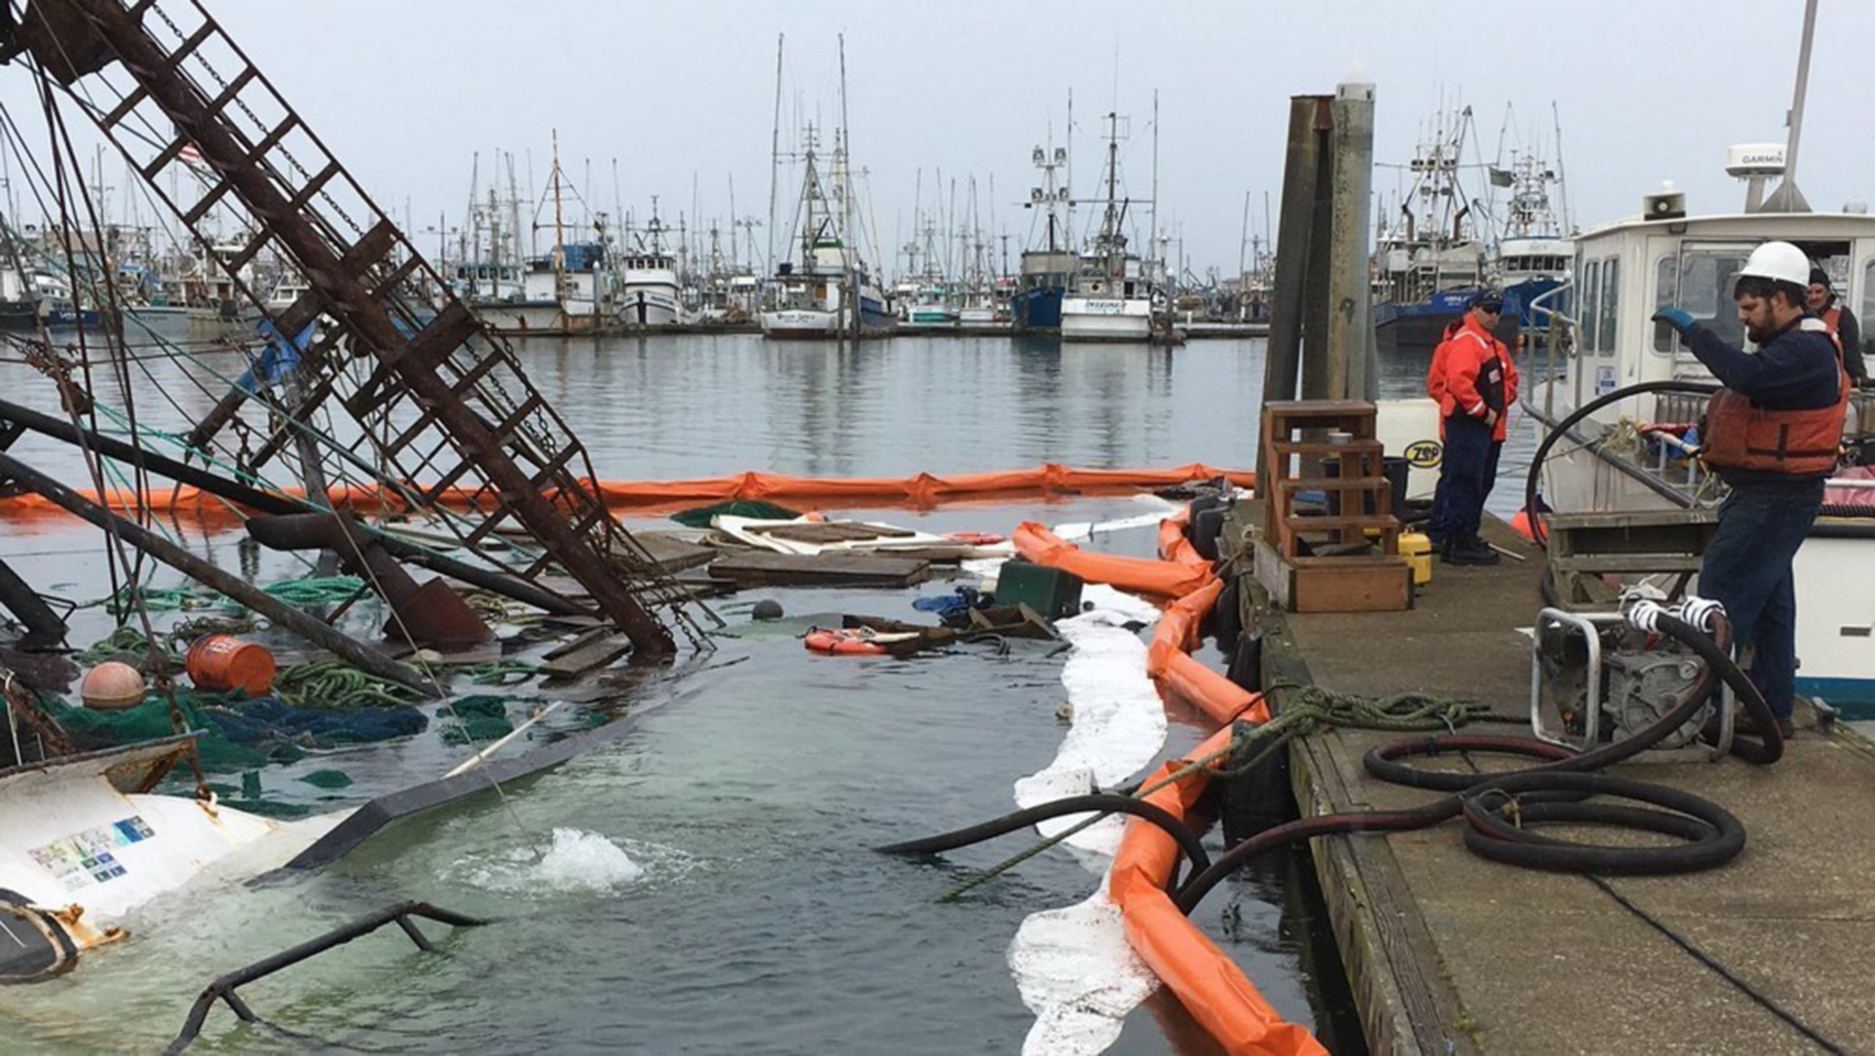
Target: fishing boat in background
648,284
1049,266
1533,253
568,289
1111,298
824,289
1429,259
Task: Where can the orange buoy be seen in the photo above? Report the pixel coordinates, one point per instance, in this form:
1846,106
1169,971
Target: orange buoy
112,686
1520,523
842,643
221,662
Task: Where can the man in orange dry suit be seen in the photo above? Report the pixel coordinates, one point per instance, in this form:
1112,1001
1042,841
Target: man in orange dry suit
1828,307
1480,385
1772,434
1435,388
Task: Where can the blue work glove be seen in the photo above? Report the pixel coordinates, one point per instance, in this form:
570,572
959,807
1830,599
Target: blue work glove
1678,318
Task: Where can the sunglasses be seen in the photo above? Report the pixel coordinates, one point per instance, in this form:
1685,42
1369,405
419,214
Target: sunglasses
1490,311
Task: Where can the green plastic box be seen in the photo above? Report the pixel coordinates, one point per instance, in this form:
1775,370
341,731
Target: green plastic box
1049,591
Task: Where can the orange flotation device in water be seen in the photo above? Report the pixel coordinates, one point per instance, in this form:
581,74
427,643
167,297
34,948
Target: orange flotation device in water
839,642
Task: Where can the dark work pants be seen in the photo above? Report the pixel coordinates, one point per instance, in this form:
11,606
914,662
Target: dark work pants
1469,457
1747,569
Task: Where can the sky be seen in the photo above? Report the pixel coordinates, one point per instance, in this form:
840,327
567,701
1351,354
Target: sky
682,95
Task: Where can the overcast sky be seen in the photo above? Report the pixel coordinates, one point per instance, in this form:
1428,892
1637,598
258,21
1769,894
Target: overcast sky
406,91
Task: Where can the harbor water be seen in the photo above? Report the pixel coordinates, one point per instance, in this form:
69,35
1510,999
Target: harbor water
704,883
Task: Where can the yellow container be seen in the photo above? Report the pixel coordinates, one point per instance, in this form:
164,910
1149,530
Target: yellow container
1417,549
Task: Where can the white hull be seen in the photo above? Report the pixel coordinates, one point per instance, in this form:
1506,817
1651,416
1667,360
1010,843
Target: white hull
789,323
535,318
650,306
1105,319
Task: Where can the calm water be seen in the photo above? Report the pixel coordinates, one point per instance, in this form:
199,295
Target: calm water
703,884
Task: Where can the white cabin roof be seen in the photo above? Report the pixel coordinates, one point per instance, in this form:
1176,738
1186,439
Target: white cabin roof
1741,225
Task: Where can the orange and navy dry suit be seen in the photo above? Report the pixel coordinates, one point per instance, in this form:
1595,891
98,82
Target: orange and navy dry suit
1472,376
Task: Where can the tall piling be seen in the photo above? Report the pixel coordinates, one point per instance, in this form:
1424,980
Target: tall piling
1321,343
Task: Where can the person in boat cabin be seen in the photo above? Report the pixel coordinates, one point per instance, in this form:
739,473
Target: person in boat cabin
1841,321
1772,434
1479,384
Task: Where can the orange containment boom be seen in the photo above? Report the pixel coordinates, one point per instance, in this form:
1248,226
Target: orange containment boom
921,491
1210,985
1167,579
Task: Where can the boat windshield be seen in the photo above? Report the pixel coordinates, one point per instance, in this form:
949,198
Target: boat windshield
1699,280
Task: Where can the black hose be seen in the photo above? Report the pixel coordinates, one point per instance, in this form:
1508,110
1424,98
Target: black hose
1188,842
1562,428
1551,792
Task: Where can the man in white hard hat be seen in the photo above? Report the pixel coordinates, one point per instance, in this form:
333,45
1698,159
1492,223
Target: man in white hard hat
1773,434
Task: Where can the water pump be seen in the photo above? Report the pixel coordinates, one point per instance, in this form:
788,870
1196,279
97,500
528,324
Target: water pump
1599,677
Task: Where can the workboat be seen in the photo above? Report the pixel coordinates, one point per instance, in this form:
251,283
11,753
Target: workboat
1613,460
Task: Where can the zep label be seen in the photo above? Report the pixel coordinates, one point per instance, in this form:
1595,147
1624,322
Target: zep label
1424,454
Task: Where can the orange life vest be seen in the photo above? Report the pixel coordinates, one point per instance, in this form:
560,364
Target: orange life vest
1832,318
1742,435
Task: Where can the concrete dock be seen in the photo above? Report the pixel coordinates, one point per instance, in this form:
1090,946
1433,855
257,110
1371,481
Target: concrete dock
1447,952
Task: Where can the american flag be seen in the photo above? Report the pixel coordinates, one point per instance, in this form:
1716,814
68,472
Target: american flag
192,156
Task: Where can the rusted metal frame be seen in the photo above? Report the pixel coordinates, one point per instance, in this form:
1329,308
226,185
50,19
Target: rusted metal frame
123,108
145,62
432,346
307,307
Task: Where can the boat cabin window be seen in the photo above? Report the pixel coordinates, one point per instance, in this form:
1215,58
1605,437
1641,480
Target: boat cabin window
1611,298
1591,300
1868,291
1703,286
1666,295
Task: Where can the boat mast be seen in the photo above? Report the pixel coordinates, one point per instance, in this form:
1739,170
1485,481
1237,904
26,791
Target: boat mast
844,148
559,232
1152,237
1562,180
774,154
1787,198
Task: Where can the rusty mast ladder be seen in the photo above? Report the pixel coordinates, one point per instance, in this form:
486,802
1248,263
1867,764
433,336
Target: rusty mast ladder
440,406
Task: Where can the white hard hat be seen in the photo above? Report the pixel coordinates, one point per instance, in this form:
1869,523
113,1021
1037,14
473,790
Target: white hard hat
1778,261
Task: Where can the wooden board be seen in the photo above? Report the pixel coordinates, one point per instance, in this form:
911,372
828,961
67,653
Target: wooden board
834,532
1379,583
595,652
672,554
758,567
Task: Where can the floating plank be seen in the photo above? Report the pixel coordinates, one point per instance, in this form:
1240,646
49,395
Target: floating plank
835,532
671,554
596,652
757,567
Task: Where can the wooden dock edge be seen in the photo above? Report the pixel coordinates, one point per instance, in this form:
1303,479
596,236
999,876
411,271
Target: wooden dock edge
1405,999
